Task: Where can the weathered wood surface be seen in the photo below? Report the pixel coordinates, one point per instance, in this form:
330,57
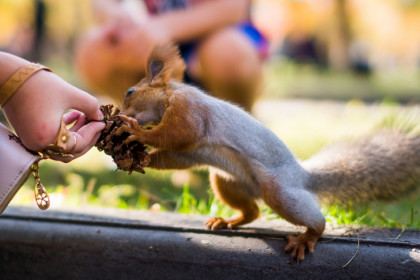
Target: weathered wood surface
111,244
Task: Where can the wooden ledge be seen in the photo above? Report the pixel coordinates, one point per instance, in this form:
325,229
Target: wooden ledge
110,244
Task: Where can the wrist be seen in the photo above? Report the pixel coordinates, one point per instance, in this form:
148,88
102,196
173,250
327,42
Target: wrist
17,79
25,111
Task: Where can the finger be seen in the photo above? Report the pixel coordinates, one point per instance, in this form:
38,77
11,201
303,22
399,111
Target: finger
86,134
80,122
88,146
79,144
92,142
71,143
68,150
70,117
73,156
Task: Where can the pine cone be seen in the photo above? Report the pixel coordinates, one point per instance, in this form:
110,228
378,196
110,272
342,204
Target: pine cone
129,157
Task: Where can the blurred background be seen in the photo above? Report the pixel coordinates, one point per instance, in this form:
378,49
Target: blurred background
346,48
336,68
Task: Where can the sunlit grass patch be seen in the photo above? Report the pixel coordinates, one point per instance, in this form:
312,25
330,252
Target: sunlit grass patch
402,213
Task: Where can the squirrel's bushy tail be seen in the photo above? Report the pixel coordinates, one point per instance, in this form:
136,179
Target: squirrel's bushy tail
384,165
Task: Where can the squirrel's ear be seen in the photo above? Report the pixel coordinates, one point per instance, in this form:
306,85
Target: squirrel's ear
165,63
155,67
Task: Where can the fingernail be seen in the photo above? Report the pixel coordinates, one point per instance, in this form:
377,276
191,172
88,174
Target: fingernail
100,115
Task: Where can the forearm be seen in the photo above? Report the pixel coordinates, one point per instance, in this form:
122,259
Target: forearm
201,19
9,64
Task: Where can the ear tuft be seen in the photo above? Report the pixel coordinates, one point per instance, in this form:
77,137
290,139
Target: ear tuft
165,62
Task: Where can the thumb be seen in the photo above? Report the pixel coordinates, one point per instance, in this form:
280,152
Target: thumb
86,103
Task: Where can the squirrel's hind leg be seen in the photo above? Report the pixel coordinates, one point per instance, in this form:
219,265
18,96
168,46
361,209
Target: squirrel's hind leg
299,207
229,191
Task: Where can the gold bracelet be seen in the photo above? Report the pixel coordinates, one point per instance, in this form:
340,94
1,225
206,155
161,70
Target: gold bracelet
59,146
17,79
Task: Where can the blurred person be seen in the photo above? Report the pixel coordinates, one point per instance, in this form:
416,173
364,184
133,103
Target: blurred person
34,101
222,49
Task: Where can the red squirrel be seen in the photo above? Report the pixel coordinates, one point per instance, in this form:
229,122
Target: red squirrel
189,128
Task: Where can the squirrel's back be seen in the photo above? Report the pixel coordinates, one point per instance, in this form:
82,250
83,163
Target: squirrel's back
384,165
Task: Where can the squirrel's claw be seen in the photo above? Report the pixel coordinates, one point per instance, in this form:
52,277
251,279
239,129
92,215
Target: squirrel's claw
299,244
123,128
217,223
297,248
127,119
129,122
132,138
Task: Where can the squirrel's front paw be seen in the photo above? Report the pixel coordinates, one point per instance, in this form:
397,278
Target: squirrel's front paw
299,244
218,223
130,126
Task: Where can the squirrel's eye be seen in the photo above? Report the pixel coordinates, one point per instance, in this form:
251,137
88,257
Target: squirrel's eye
130,91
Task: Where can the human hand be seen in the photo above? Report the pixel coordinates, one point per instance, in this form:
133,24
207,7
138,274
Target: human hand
36,109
